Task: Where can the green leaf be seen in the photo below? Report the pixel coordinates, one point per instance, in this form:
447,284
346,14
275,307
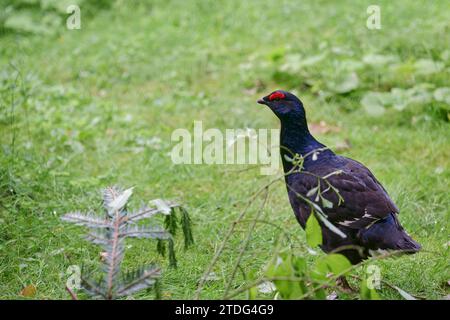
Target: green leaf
373,104
326,203
26,21
299,265
442,94
320,271
293,63
366,293
287,266
288,159
59,5
346,83
350,65
420,94
378,59
313,231
277,54
312,60
428,66
333,263
337,263
312,191
320,294
399,99
187,228
445,55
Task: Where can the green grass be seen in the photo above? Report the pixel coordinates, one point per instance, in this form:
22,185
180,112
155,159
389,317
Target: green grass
77,108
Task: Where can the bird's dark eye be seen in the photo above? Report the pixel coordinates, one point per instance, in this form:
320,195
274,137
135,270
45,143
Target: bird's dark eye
277,95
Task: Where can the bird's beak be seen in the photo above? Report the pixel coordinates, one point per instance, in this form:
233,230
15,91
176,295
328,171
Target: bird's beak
263,100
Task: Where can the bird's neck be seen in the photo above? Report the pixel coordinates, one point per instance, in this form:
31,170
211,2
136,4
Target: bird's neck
295,138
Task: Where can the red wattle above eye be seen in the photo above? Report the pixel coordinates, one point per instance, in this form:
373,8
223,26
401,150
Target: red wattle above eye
276,96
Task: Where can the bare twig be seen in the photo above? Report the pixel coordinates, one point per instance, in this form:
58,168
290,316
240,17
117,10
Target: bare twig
247,240
228,235
73,295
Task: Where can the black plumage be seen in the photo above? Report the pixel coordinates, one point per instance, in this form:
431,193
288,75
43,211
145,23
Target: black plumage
355,201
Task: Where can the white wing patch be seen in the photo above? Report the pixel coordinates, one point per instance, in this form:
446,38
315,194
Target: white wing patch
346,223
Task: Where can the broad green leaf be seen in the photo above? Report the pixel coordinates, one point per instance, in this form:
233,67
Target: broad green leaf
385,98
373,104
284,267
313,231
350,65
337,263
420,94
320,294
277,54
346,83
252,293
445,55
427,66
311,60
293,63
405,69
320,271
399,99
378,59
442,94
25,21
299,264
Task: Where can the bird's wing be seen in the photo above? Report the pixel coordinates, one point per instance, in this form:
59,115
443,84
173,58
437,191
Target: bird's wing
357,198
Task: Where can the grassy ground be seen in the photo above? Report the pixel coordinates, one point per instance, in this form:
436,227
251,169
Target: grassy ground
85,109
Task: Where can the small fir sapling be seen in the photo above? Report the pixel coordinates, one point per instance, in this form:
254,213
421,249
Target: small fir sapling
110,233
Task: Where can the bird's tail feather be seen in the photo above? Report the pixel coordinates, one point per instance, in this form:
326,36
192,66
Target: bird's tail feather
388,234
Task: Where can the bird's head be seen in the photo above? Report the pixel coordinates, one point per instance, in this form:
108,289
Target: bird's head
285,105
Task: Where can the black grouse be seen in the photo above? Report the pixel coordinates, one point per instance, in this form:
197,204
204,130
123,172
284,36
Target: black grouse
363,216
